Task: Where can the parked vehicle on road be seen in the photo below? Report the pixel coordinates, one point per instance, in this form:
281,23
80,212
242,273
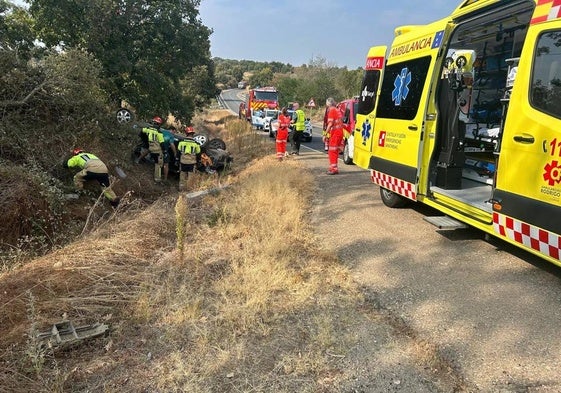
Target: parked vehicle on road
348,109
262,118
259,99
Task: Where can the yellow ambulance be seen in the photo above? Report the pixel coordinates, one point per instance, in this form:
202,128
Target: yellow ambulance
464,115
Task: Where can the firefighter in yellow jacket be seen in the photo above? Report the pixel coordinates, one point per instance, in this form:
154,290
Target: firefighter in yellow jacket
91,168
156,146
188,154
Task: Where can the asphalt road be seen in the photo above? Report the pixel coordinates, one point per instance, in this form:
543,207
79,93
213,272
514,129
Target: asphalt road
487,310
485,313
231,99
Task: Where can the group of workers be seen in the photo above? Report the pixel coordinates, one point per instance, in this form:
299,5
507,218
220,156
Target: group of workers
332,135
298,122
157,142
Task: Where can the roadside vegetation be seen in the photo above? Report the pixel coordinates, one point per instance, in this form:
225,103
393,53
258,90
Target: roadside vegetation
228,292
319,79
225,292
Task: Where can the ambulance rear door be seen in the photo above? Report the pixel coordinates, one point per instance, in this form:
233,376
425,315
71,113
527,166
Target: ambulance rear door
366,110
401,113
527,197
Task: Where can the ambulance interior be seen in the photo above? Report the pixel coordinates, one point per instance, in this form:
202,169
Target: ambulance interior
472,100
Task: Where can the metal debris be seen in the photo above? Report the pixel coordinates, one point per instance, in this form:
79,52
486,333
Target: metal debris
64,333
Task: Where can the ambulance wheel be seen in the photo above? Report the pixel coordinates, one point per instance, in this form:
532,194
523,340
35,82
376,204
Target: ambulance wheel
391,199
346,158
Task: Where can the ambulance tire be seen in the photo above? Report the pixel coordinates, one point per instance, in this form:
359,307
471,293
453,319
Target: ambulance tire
391,199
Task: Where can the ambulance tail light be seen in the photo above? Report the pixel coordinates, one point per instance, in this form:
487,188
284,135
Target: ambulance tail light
497,204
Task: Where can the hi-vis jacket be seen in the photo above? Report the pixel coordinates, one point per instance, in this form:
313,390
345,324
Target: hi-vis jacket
87,161
155,140
299,120
189,151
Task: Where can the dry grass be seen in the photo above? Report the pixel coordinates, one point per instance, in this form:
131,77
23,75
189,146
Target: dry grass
243,301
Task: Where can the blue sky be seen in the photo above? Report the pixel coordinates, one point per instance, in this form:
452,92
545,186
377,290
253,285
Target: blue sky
295,31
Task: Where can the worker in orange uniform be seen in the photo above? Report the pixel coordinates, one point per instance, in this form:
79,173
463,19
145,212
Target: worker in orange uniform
282,133
333,132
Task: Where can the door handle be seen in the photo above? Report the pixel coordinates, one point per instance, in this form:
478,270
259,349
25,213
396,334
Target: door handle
524,138
413,127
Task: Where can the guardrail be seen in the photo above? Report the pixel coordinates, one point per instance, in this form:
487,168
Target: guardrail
221,101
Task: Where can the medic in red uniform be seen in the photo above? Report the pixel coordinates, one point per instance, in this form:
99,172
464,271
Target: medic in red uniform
282,133
334,132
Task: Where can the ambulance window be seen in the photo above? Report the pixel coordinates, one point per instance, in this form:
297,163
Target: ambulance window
403,88
545,93
368,90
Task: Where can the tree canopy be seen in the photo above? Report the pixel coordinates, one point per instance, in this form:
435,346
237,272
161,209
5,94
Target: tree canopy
148,49
318,79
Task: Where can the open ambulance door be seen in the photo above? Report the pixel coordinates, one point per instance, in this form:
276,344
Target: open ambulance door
366,111
527,197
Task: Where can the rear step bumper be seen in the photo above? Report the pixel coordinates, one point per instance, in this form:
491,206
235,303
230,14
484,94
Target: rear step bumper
445,222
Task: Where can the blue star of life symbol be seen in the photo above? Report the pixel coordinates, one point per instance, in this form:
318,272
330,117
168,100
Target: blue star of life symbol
401,85
365,133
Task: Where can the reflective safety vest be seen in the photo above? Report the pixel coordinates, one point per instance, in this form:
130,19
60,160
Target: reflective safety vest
155,139
188,151
87,161
299,124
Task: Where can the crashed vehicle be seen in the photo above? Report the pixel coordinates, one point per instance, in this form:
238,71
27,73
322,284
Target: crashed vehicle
215,157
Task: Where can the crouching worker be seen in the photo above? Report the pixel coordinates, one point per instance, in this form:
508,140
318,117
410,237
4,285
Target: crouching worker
91,168
188,155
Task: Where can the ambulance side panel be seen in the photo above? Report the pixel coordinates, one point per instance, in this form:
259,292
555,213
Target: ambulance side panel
399,128
365,115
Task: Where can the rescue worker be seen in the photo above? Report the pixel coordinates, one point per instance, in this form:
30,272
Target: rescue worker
155,123
282,133
156,145
167,155
298,120
188,155
91,168
334,132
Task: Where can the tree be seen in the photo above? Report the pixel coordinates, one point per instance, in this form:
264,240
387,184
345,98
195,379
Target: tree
263,77
16,29
287,88
348,82
146,47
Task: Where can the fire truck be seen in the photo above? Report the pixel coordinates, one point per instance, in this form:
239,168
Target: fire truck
259,99
463,114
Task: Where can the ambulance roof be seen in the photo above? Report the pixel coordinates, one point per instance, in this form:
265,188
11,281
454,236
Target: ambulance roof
472,5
